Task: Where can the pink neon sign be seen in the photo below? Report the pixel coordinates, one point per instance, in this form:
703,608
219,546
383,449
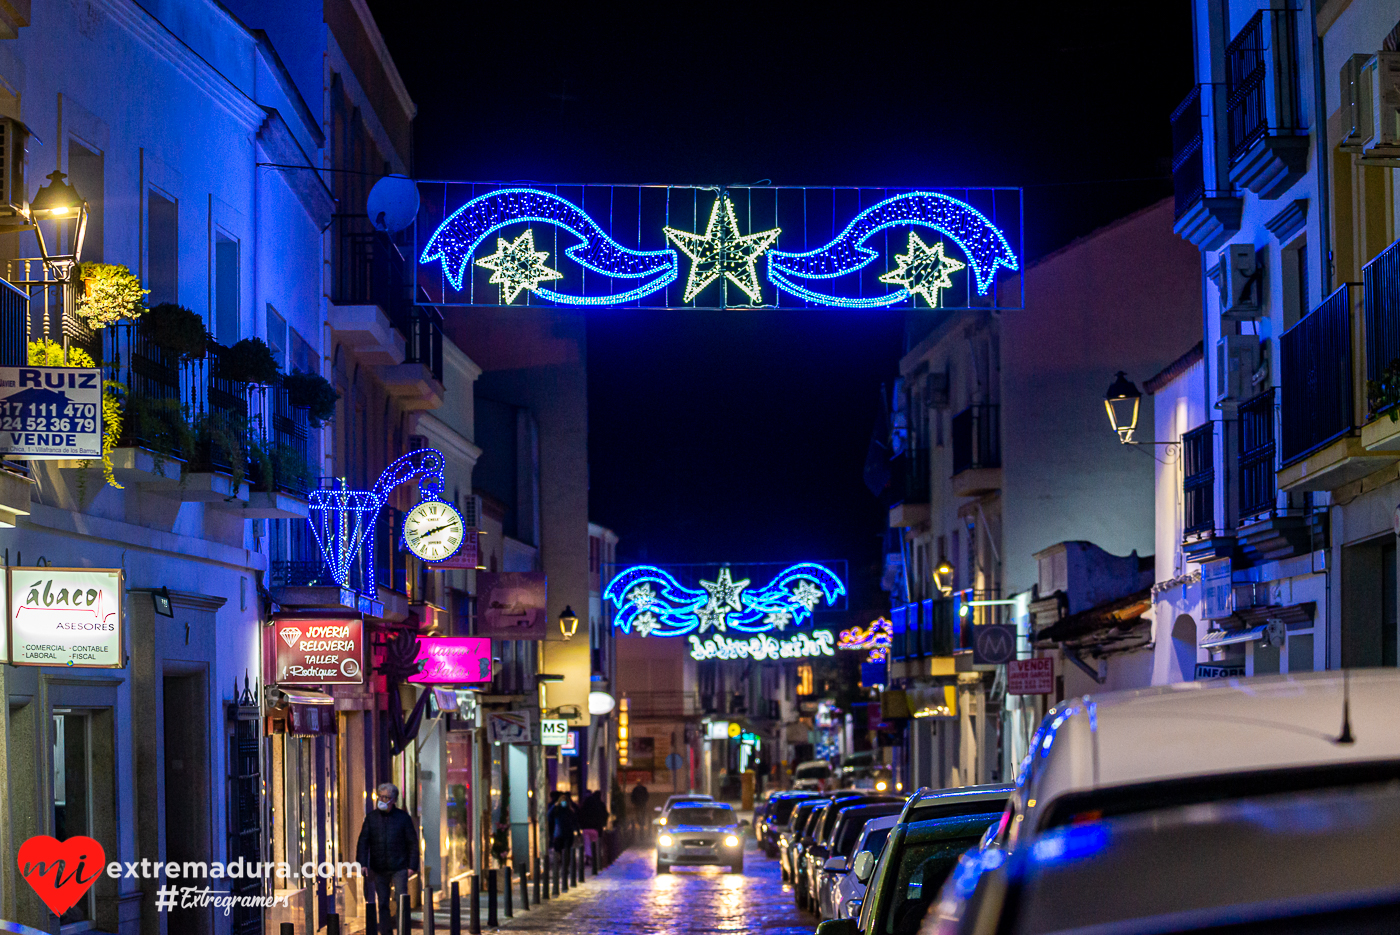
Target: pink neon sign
449,660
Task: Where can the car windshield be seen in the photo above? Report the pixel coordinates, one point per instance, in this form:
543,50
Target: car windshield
707,817
850,829
914,873
781,810
799,817
814,821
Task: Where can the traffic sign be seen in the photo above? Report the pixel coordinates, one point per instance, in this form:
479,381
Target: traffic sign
1030,676
734,729
993,644
674,761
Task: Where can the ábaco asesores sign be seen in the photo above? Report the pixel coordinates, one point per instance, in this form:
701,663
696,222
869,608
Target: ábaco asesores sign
65,617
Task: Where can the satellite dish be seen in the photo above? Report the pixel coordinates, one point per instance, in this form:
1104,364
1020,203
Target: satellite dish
392,203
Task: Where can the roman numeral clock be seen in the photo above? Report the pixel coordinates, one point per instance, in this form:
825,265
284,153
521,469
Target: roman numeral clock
433,530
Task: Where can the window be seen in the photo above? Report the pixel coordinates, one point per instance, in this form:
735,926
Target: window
86,173
304,357
277,336
162,249
225,290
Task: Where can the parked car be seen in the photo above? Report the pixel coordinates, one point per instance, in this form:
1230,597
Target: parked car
867,778
848,889
798,853
789,836
776,815
700,833
811,776
933,830
1324,861
847,831
814,857
1117,754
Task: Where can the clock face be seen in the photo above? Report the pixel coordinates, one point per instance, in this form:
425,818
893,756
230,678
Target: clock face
433,530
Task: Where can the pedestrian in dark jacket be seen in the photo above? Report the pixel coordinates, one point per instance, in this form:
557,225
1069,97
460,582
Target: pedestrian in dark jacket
388,849
563,823
592,818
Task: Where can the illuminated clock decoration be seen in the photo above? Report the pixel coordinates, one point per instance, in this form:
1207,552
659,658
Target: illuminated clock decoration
723,251
649,601
518,265
434,530
673,246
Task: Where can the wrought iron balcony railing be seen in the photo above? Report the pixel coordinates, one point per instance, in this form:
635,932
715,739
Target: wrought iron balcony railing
1317,404
1198,482
977,438
1257,455
1188,156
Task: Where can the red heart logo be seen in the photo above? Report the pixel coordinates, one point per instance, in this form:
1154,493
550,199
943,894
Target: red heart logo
61,871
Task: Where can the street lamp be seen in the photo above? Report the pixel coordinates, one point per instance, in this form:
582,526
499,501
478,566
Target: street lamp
59,204
943,576
568,623
1122,401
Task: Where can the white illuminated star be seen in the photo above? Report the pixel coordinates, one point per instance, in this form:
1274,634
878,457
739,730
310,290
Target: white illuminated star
807,594
924,270
643,596
517,266
778,619
723,251
725,591
644,623
712,615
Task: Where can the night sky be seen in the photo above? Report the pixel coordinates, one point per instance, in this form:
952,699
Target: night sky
757,422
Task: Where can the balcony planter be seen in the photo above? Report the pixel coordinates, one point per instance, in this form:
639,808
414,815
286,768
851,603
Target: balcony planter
177,330
314,393
111,293
249,361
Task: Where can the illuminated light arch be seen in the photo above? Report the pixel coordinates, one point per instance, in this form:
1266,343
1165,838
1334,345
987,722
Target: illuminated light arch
651,602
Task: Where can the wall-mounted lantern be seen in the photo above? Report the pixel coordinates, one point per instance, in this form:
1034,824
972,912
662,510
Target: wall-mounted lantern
1122,401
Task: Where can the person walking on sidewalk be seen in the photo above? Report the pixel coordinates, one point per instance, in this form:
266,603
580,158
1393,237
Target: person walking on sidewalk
640,797
593,819
388,848
563,828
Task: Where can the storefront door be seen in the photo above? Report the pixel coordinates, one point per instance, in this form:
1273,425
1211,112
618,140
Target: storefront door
72,790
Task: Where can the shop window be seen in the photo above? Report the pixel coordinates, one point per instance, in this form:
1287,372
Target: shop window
72,774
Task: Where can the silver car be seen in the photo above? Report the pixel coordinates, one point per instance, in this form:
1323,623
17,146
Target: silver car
700,834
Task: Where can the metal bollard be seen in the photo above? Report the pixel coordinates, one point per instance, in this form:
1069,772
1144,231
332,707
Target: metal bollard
524,887
474,910
564,870
333,924
552,868
539,877
429,920
403,915
510,910
289,929
491,920
454,918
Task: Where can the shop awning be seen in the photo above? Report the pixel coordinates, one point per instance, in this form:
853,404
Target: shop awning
306,696
1217,638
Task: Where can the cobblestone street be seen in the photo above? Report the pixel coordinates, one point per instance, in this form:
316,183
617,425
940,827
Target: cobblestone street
629,897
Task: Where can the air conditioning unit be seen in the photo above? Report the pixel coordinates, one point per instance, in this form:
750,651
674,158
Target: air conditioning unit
1236,359
1375,132
1240,283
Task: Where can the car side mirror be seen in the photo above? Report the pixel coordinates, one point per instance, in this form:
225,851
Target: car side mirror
835,865
864,866
838,927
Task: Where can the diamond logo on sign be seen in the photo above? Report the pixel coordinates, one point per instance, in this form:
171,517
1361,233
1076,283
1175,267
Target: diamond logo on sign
290,635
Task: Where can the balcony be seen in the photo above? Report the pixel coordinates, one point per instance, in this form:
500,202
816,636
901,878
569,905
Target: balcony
912,473
1204,216
1268,142
1266,531
1320,444
976,451
1200,540
1382,311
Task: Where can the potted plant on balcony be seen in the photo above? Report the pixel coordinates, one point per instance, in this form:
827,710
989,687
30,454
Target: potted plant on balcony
177,330
111,293
278,466
1384,394
314,393
222,438
48,353
250,361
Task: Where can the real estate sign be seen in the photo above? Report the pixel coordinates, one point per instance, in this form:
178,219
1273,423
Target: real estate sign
65,617
1030,676
49,413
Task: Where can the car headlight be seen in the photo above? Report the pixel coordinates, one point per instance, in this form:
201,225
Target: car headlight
881,786
664,840
731,841
661,821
